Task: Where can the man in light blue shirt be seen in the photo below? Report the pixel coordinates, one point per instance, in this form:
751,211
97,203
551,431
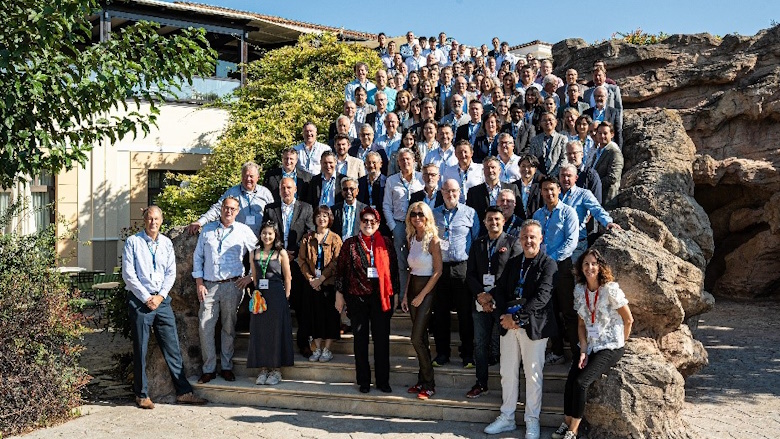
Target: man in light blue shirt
218,270
252,200
149,271
310,150
361,80
381,85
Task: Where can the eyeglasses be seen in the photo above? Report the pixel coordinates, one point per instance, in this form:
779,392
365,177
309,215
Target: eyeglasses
349,189
369,222
416,215
229,209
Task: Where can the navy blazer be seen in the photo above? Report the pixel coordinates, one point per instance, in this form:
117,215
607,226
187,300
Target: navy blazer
302,223
614,117
479,200
377,196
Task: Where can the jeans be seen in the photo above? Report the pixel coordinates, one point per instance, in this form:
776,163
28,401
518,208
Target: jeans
163,321
221,303
483,330
565,314
420,317
578,381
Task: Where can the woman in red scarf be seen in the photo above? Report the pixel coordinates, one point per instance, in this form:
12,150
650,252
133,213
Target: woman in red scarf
366,277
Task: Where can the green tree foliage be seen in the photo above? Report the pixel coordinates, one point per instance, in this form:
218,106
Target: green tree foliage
40,379
58,89
286,88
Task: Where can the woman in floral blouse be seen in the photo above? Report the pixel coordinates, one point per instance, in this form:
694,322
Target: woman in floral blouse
604,326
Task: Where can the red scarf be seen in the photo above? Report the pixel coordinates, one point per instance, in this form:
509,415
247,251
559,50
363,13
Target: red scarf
382,261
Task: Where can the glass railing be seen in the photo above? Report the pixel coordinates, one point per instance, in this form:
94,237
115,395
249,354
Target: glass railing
205,90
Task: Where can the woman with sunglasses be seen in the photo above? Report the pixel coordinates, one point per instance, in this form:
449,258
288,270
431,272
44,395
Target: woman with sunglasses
366,278
425,267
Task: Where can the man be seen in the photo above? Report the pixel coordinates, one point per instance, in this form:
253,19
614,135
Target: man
252,200
371,187
389,56
416,60
587,178
347,126
444,155
505,55
442,43
527,278
398,191
527,79
546,69
561,230
390,142
600,64
346,213
381,48
549,84
604,113
614,98
458,226
444,89
310,150
294,218
509,161
572,100
406,48
365,145
530,198
361,80
466,172
149,271
461,87
430,193
507,202
487,258
607,160
289,168
376,119
473,129
362,107
571,77
496,51
427,112
484,195
585,204
219,275
521,132
323,189
381,85
549,146
439,50
345,163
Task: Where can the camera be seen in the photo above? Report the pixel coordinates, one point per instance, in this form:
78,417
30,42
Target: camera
516,308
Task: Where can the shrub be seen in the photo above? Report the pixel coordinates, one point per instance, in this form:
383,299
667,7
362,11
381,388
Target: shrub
639,37
40,380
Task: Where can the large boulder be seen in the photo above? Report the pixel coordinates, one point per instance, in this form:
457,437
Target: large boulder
685,353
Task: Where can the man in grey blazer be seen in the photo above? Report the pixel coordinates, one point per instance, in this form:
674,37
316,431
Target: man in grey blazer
607,161
614,98
549,146
604,113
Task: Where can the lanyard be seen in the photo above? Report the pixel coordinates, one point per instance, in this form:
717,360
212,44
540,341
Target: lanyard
592,311
370,185
288,221
264,265
325,196
493,199
249,201
464,177
448,215
309,154
523,274
491,144
362,155
491,251
547,216
153,252
349,220
406,187
369,250
221,238
320,251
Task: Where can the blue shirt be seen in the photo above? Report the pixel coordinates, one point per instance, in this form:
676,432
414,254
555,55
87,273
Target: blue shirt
220,251
349,90
251,205
584,202
559,230
460,227
148,266
391,94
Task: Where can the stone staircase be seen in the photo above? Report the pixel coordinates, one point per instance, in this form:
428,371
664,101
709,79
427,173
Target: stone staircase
330,387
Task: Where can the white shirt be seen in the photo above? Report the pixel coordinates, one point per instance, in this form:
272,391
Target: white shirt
397,194
310,160
441,158
467,180
510,171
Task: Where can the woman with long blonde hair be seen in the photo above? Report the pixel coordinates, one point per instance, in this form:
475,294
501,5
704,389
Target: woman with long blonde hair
425,266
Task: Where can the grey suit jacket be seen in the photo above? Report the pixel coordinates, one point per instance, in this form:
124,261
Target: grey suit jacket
549,163
609,166
614,117
613,96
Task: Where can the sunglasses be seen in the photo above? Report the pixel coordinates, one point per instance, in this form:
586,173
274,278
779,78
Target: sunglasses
369,222
416,215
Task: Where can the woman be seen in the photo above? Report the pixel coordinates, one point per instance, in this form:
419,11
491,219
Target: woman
402,101
604,326
583,124
426,90
425,268
366,278
486,95
270,332
533,108
408,140
412,83
569,127
509,86
414,113
502,111
487,144
428,142
317,259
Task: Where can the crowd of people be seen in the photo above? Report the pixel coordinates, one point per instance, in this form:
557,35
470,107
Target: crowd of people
463,179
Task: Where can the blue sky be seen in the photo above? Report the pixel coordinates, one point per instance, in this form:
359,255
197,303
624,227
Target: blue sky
470,21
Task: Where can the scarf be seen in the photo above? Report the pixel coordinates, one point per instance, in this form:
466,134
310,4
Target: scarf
382,261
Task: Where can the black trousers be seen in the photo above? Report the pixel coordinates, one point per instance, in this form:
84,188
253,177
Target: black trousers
565,314
421,316
452,293
300,301
578,381
364,311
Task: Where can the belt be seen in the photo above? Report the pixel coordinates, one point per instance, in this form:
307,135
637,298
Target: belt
453,263
224,281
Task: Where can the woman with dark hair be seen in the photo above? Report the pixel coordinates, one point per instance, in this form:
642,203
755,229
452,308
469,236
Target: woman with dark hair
427,143
317,259
366,279
582,125
415,110
270,325
604,326
412,84
533,108
426,90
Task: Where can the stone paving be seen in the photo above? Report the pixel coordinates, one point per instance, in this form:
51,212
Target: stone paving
737,396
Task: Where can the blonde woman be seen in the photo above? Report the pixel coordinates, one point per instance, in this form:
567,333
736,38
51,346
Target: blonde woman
425,266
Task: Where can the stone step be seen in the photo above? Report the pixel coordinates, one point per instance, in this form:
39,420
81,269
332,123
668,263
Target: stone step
343,397
403,373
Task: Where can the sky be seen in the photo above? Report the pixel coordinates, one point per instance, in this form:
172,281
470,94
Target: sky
476,22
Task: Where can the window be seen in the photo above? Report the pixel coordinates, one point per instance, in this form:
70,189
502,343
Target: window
158,180
42,196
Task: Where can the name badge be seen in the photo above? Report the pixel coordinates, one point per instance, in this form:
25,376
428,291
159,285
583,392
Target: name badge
250,220
262,284
593,331
317,273
488,280
444,245
372,273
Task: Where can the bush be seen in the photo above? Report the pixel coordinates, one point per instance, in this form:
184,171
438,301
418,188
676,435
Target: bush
639,37
40,380
286,88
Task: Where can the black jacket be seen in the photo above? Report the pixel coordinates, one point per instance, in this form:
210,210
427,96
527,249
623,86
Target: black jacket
338,218
420,196
479,199
315,190
302,222
477,264
273,178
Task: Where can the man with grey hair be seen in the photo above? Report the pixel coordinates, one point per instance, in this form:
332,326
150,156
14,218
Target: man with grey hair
376,119
252,200
346,214
604,113
348,127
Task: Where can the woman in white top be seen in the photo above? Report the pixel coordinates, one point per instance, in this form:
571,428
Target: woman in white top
604,326
425,268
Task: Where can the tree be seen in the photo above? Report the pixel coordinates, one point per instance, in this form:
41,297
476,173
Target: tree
286,88
59,89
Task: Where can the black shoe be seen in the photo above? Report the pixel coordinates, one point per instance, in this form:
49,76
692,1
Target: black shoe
306,352
386,388
227,375
206,377
364,389
494,360
440,360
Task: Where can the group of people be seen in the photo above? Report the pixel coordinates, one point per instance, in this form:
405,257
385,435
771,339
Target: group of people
477,210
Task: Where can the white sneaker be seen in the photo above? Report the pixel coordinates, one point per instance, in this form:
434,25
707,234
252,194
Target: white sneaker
262,378
532,428
501,424
274,378
570,435
315,356
561,431
551,359
326,355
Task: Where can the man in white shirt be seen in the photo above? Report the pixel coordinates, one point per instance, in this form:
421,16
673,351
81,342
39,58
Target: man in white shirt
416,60
467,173
509,161
444,155
310,150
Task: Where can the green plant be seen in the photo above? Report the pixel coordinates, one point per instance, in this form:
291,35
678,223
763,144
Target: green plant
286,88
639,37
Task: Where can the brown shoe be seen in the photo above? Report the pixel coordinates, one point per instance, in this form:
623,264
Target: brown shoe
190,398
206,377
227,375
144,403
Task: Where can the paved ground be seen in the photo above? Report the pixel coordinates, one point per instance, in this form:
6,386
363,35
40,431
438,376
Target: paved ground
737,396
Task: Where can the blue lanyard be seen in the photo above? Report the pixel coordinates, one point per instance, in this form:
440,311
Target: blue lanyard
309,154
325,196
547,223
370,191
464,177
248,201
221,238
153,252
492,143
493,200
448,215
288,221
521,281
491,251
349,220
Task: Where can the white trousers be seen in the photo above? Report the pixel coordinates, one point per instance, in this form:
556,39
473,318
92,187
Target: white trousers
516,345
